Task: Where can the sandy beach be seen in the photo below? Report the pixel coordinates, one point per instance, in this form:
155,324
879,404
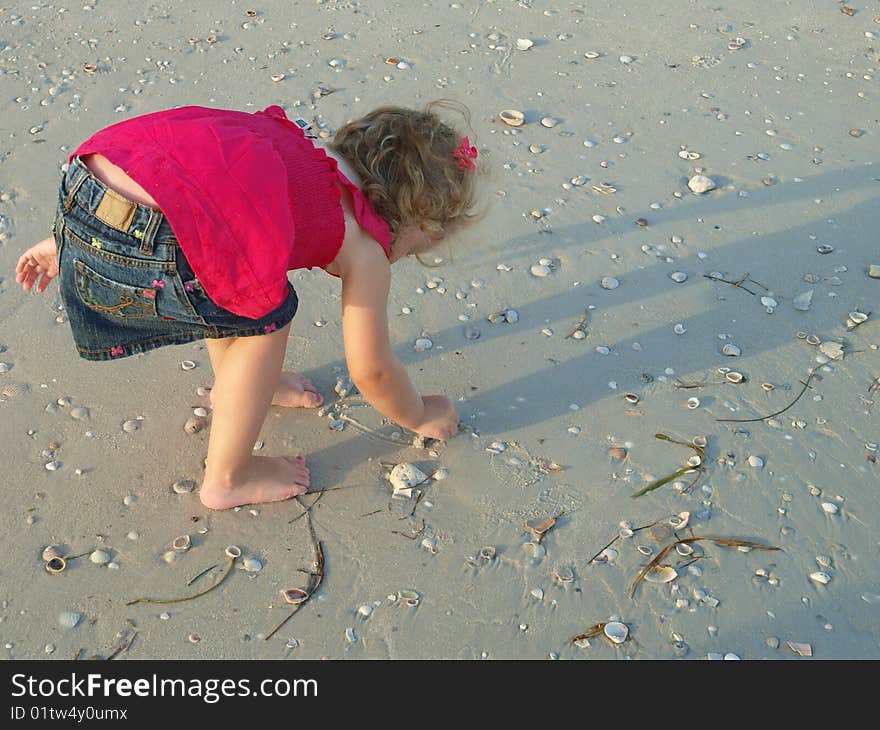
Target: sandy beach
602,301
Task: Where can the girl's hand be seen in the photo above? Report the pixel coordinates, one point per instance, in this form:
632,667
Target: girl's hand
440,420
39,259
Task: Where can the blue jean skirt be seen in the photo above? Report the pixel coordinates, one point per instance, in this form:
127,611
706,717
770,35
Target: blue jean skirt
125,283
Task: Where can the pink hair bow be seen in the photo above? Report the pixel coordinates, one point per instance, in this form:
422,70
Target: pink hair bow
465,154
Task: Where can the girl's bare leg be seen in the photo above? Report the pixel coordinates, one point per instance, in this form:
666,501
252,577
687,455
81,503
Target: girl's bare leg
245,381
294,390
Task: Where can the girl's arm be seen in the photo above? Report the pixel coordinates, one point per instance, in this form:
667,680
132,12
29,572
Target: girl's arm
373,368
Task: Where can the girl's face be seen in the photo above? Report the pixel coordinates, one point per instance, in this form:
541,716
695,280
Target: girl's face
410,241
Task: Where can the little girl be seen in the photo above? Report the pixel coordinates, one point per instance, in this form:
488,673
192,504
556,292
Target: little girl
182,224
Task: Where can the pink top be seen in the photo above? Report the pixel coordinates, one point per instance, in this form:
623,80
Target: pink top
248,196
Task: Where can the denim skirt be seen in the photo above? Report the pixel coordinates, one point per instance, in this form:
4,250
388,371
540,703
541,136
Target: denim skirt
125,283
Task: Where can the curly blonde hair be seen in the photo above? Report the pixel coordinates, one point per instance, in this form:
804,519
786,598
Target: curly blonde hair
409,174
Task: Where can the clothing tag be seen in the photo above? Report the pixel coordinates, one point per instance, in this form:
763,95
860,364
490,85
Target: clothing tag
305,127
116,211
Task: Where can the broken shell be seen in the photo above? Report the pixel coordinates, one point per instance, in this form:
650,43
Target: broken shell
487,553
408,596
813,339
820,577
855,319
295,596
537,594
440,475
618,453
799,648
734,377
56,565
678,276
680,521
69,619
350,636
100,557
616,631
50,552
731,350
512,117
422,344
537,550
406,476
661,574
625,532
684,549
693,403
194,424
181,544
537,527
700,441
430,544
523,44
564,574
833,350
233,551
252,565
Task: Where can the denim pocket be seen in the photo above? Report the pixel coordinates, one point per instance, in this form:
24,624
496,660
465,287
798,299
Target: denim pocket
111,297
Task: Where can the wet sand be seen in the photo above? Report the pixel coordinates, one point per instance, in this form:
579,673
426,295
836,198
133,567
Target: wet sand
786,128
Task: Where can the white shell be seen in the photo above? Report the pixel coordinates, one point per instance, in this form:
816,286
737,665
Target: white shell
540,270
350,636
422,343
187,365
834,350
365,610
820,577
537,593
679,329
678,276
684,549
802,301
661,574
183,486
694,460
252,565
537,550
769,302
100,557
701,184
616,631
523,44
69,619
756,462
430,544
609,282
53,465
731,350
440,474
50,552
693,403
549,122
131,425
830,508
233,551
732,376
406,476
512,117
181,544
680,521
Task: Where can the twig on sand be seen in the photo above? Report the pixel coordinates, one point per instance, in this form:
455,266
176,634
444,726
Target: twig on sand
316,576
617,537
738,283
806,384
580,326
305,510
204,572
124,647
413,534
187,598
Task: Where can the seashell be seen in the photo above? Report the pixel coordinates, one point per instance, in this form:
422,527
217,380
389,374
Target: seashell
183,486
645,550
641,222
769,302
512,316
734,377
618,453
549,122
187,365
625,532
406,476
5,367
604,189
678,277
169,556
411,598
487,553
731,350
599,218
13,390
79,413
537,550
820,577
350,636
422,344
512,117
540,270
616,631
799,648
833,350
609,282
131,425
693,402
626,59
100,557
181,544
824,248
802,301
591,55
430,544
679,329
538,527
680,521
194,424
51,551
631,398
365,610
295,595
69,619
440,475
608,555
756,462
684,549
830,508
523,44
700,184
855,319
661,574
564,574
233,551
252,565
56,565
813,339
53,465
699,441
767,387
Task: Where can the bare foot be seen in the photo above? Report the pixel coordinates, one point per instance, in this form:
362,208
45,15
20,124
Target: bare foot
264,479
293,391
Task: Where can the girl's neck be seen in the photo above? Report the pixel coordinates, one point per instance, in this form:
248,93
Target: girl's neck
343,164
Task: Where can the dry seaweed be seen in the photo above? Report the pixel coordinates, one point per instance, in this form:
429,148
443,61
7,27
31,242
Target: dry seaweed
594,630
738,283
187,598
204,572
580,326
806,384
657,483
721,541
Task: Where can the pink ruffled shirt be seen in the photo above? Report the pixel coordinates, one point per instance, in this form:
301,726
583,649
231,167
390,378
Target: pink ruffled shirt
248,196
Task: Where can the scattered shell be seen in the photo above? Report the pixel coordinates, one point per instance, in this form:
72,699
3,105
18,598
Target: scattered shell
537,550
803,300
855,319
731,350
799,648
5,367
406,476
194,424
430,544
769,302
618,453
53,465
549,122
700,441
680,521
626,59
661,574
701,184
183,486
537,594
487,553
295,596
756,462
693,403
540,270
187,365
14,390
591,55
537,527
523,44
512,117
440,475
694,460
100,557
734,377
69,619
131,425
684,549
181,544
350,636
56,565
609,282
616,631
830,508
679,329
199,411
233,551
169,556
422,344
564,574
252,565
51,551
365,610
407,595
678,277
631,398
833,350
79,413
645,550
